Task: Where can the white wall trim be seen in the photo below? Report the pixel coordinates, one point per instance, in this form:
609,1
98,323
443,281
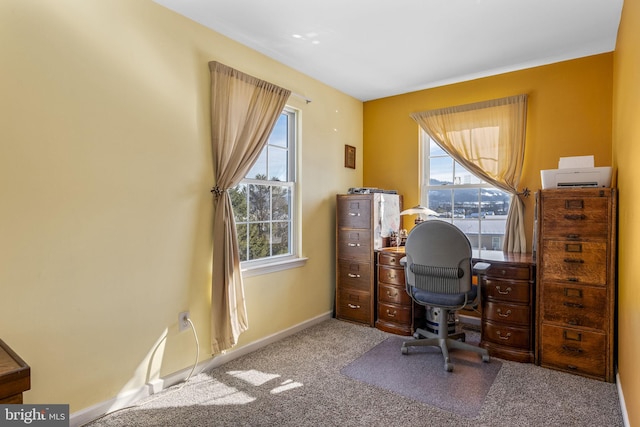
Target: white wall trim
623,406
130,398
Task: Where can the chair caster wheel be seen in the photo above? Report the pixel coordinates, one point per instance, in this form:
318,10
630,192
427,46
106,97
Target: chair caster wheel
404,350
486,358
448,367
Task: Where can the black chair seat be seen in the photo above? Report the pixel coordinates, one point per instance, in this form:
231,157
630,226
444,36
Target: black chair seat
450,300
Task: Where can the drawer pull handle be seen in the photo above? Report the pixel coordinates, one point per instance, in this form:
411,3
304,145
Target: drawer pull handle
573,236
574,261
506,337
572,304
572,279
574,204
354,213
392,295
573,293
392,260
575,217
573,322
353,306
505,292
354,245
572,336
391,276
572,349
572,367
355,276
390,314
507,314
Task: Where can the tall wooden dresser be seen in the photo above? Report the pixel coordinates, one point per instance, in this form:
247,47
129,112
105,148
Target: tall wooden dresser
355,278
576,280
361,220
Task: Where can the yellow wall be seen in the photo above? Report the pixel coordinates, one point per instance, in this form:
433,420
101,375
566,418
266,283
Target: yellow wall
626,154
105,172
569,114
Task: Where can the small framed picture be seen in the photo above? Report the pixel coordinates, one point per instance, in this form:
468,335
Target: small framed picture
349,156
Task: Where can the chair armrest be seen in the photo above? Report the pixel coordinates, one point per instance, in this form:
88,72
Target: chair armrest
407,287
481,267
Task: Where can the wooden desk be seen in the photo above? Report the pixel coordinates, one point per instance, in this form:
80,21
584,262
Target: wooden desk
15,376
507,302
397,312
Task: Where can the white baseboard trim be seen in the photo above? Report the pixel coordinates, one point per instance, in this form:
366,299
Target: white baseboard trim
623,405
84,416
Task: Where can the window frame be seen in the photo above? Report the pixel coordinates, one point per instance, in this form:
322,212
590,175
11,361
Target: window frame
273,263
478,184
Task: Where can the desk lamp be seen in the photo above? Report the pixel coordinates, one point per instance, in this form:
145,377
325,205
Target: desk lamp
421,211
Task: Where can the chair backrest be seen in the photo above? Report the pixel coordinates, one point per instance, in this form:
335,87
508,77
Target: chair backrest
438,258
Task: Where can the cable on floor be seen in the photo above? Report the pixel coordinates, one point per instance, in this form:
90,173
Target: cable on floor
138,405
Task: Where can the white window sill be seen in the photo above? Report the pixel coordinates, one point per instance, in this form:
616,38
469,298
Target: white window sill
272,267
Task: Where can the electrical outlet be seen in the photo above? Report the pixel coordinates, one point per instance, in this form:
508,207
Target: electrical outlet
183,321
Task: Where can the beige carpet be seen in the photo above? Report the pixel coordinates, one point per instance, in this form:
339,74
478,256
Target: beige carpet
297,382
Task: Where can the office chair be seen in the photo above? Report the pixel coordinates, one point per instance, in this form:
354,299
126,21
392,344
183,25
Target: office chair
438,273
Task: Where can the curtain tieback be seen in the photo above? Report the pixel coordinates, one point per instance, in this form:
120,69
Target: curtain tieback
525,192
217,191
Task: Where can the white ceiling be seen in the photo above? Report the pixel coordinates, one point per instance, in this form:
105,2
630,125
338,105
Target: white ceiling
371,49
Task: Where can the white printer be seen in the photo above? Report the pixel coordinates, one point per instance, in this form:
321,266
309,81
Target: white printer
574,172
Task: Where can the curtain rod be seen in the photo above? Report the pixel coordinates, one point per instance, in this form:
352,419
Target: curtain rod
304,98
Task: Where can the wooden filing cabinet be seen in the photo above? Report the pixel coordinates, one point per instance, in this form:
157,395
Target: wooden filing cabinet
576,277
397,312
507,301
355,278
361,223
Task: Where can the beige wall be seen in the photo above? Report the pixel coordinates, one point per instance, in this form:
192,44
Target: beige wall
626,154
105,172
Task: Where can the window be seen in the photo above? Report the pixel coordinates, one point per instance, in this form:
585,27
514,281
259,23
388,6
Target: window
264,201
476,207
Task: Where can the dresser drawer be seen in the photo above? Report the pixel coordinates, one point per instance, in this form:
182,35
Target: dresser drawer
394,313
580,262
512,272
504,290
354,212
507,313
354,305
355,244
393,294
511,336
353,274
575,306
575,217
392,275
391,258
573,350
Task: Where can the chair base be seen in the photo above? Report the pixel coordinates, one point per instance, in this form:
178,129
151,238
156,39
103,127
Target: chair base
446,343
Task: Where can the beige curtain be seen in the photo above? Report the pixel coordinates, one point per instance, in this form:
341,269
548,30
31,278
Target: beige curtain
244,111
488,139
